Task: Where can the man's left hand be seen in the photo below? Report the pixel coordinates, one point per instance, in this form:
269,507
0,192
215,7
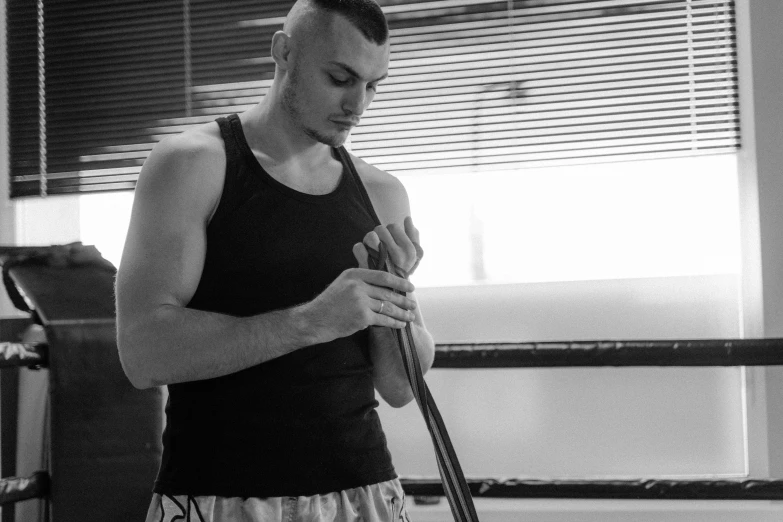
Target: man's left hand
401,242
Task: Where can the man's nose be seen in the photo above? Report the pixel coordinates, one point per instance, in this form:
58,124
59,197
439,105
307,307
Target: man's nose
355,101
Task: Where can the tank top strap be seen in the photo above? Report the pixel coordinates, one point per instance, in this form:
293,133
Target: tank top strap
238,174
347,162
233,157
231,142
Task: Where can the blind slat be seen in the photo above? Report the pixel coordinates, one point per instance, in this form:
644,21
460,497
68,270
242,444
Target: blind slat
507,157
569,133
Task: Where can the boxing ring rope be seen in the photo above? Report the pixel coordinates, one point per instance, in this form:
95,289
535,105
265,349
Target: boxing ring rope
662,353
608,489
708,352
733,352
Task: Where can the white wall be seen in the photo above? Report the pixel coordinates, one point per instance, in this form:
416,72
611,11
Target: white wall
760,42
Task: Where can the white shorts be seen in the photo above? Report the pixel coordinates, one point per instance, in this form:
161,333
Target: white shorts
382,502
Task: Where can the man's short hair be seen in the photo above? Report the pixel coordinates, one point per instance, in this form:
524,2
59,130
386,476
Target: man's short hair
365,15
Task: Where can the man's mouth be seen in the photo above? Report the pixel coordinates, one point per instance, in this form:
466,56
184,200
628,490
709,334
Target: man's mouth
345,123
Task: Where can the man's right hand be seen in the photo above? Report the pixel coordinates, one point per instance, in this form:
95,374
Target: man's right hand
353,302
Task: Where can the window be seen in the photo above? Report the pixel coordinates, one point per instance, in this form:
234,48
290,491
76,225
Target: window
475,85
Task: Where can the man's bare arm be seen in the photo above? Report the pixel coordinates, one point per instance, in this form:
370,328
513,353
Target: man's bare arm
393,208
389,375
160,340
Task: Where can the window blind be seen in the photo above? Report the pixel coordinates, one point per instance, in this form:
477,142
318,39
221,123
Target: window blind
474,85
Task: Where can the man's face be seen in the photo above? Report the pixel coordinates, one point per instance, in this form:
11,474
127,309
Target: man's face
332,80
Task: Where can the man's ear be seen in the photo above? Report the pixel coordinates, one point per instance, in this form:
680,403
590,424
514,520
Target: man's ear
281,49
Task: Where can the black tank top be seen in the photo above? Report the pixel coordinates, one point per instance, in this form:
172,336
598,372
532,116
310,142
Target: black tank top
304,423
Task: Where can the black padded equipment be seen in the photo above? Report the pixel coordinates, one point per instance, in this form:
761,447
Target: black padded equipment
105,434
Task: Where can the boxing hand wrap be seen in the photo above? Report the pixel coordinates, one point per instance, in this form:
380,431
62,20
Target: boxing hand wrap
454,484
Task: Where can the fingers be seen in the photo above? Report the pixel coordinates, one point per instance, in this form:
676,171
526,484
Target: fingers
391,309
384,279
385,295
413,234
388,322
372,240
399,241
388,300
411,231
406,255
389,314
361,255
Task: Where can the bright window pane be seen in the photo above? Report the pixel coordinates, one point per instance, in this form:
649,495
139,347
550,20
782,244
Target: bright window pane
653,218
104,222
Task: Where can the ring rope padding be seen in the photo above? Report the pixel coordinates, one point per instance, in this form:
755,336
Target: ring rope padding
704,352
643,489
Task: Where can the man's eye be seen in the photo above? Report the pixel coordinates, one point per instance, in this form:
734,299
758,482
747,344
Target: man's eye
338,81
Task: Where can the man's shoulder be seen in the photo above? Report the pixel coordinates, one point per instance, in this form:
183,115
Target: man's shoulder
203,141
387,193
189,165
377,179
196,155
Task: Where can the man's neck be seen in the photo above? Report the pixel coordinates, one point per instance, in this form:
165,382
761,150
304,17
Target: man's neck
286,140
285,152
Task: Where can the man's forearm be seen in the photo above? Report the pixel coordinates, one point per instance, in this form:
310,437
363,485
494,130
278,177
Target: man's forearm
389,375
175,344
168,343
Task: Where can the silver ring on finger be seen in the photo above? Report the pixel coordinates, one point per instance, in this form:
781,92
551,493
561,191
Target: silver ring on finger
380,310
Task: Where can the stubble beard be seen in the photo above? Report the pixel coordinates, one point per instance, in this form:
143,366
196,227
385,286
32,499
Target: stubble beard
292,106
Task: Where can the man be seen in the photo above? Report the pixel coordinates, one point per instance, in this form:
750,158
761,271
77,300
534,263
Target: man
239,289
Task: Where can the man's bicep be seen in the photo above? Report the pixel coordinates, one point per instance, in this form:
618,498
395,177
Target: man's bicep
161,262
166,242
